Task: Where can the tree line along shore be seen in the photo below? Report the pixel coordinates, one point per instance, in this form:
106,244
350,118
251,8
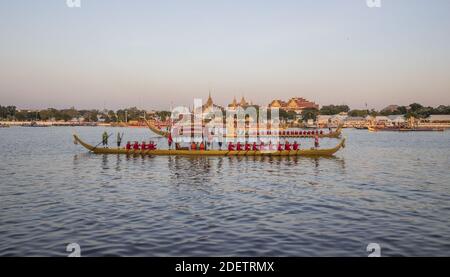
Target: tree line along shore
127,115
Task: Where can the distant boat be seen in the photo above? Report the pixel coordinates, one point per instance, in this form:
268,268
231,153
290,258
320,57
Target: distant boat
422,129
404,129
261,133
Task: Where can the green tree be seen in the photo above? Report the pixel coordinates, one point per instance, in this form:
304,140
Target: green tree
333,110
112,116
287,115
362,113
373,112
71,113
163,115
310,114
134,113
7,112
45,114
415,107
442,110
424,112
410,114
402,110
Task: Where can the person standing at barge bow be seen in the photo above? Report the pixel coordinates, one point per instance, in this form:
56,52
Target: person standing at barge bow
105,139
316,141
119,139
170,140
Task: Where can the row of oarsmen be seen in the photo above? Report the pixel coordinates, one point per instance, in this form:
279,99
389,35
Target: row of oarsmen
255,146
231,147
288,133
262,146
143,146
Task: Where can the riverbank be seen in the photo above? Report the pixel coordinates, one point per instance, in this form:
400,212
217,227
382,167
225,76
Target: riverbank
6,124
65,124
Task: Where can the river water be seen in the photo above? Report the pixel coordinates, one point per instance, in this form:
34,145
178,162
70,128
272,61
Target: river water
387,188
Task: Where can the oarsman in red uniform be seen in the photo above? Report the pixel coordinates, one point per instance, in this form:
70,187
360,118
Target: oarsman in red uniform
295,146
152,146
128,145
287,146
254,147
136,146
262,147
280,147
144,146
247,147
170,140
230,146
239,146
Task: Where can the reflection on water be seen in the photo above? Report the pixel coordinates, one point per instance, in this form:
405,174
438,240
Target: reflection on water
388,188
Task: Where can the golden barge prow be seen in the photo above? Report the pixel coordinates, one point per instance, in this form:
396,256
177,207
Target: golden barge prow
313,152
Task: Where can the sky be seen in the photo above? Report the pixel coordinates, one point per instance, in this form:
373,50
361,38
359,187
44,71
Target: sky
159,54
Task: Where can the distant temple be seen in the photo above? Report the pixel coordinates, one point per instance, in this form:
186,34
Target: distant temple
296,104
209,106
242,104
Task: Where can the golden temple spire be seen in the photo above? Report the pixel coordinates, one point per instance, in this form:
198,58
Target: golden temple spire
210,101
